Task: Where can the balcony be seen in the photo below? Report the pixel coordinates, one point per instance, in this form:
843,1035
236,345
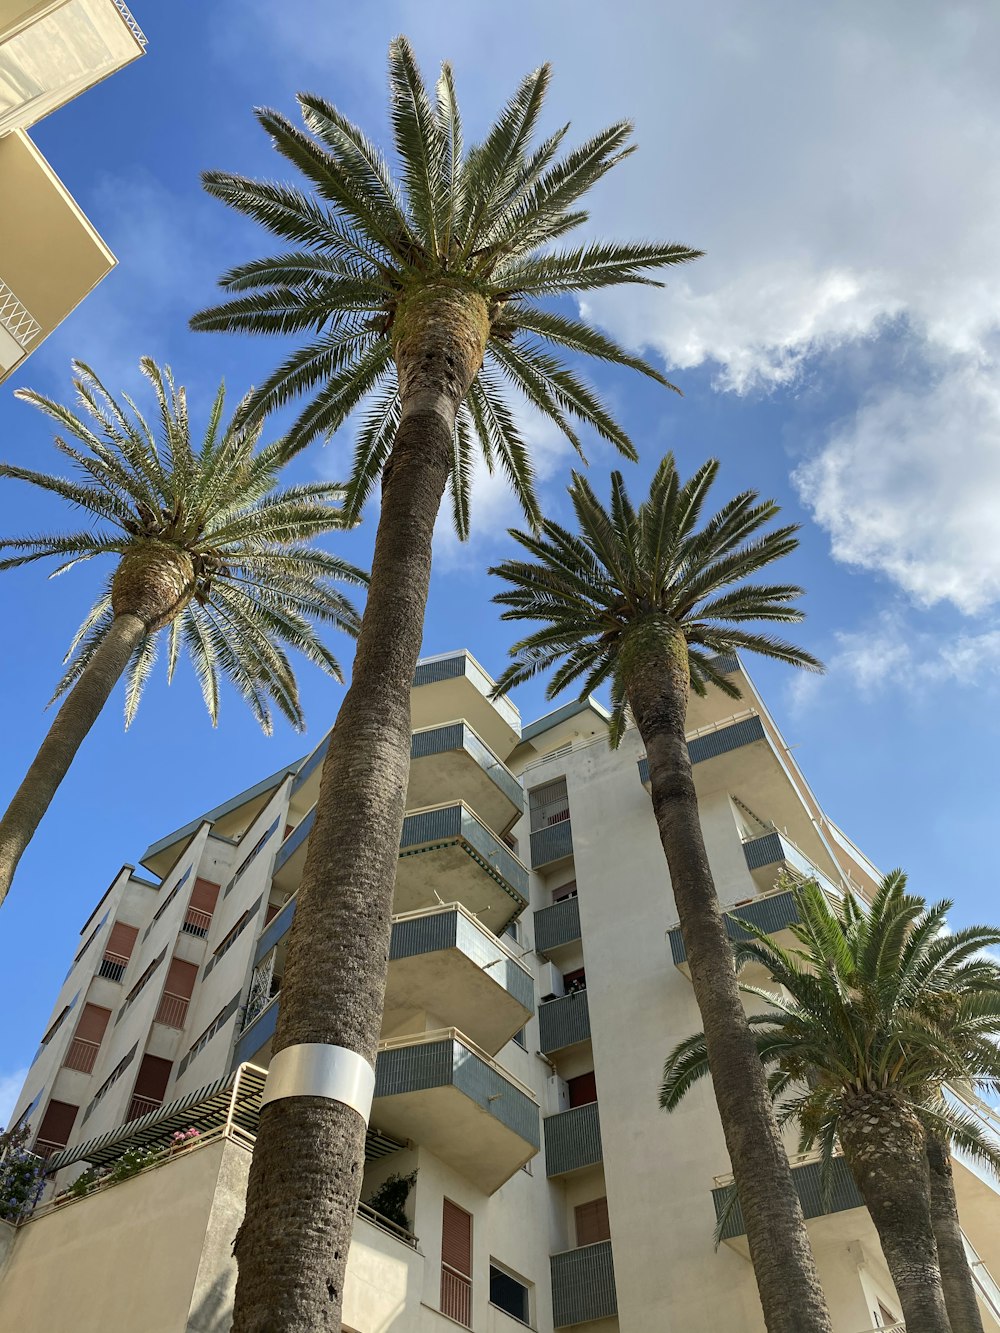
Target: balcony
172,1010
440,1090
454,685
773,853
557,925
552,844
564,1022
583,1285
442,962
572,1140
112,966
51,256
82,1055
844,1197
48,59
451,763
716,739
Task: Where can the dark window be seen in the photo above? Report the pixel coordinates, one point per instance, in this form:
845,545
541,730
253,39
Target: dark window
564,891
575,980
508,1293
548,805
592,1222
519,1038
582,1089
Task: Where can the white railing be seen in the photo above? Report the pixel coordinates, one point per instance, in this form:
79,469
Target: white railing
897,1327
17,319
130,23
112,966
172,1010
197,922
985,1284
82,1055
454,1034
140,1106
798,1159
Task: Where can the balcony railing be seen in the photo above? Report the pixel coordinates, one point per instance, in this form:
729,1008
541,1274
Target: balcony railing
806,1168
552,843
172,1010
140,1106
563,1022
17,319
82,1055
456,1296
557,924
572,1139
44,1148
197,922
113,966
583,1285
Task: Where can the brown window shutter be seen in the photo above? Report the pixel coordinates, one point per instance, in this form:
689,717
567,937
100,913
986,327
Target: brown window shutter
153,1077
181,978
456,1239
93,1023
204,895
582,1089
122,939
57,1123
592,1222
272,911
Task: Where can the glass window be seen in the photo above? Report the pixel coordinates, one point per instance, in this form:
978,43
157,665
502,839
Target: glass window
508,1293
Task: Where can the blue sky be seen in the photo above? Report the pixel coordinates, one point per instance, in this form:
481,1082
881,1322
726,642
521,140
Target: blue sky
837,349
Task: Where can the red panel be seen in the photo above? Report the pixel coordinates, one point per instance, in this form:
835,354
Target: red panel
204,895
57,1122
592,1222
582,1089
181,977
456,1238
93,1022
154,1075
122,939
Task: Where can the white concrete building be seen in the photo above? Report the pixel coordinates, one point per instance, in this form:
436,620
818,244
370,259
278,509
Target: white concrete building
536,982
50,255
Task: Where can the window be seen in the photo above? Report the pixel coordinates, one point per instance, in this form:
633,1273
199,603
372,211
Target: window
111,1080
258,847
233,934
137,988
118,951
582,1089
82,1052
564,891
575,980
592,1222
59,1021
201,908
90,939
512,931
548,805
456,1264
55,1129
519,1038
508,1293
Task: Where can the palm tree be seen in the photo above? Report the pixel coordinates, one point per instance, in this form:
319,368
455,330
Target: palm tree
879,1009
420,297
206,545
644,599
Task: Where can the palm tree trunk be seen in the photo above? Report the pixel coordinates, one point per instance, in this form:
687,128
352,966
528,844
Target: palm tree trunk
884,1145
307,1167
76,716
956,1275
657,685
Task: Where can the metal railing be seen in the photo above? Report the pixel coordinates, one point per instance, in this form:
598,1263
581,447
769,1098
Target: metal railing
454,1034
172,1010
17,319
384,1224
196,922
456,1296
112,966
82,1055
44,1148
796,1159
130,23
140,1106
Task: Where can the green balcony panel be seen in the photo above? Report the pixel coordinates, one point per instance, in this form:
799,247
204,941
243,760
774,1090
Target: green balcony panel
563,1022
558,924
583,1285
572,1140
806,1177
771,914
551,844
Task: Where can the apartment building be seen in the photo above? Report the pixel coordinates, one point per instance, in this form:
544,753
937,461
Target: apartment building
50,254
519,1171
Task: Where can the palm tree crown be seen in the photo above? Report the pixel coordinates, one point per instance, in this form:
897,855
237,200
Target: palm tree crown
629,570
875,999
374,248
252,582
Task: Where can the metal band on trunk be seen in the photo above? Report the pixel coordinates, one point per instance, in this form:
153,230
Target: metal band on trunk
316,1070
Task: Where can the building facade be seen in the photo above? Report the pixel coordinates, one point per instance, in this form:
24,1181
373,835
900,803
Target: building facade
50,254
519,1171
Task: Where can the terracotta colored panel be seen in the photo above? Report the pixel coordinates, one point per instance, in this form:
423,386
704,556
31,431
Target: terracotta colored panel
153,1077
592,1222
122,939
204,895
93,1022
181,978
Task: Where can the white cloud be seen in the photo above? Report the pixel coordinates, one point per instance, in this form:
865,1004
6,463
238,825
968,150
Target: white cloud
10,1087
893,653
910,486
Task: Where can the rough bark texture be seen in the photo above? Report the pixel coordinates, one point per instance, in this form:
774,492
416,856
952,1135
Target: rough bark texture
152,584
308,1162
884,1145
657,684
956,1275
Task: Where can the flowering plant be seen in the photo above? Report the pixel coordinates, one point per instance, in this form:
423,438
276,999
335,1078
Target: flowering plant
22,1174
130,1163
183,1137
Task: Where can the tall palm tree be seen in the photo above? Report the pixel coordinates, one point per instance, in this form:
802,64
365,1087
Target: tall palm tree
420,297
644,598
879,1009
206,544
